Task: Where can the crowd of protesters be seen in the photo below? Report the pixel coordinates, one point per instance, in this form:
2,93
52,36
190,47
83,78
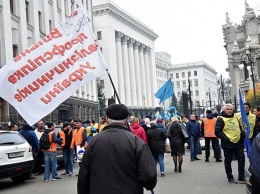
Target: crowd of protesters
224,130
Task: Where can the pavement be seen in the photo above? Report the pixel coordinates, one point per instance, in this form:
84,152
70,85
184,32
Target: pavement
197,177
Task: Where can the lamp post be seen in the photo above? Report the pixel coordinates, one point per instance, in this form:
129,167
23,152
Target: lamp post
209,99
246,61
190,96
224,90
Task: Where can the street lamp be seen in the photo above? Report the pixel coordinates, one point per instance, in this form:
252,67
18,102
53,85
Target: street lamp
246,61
224,90
190,96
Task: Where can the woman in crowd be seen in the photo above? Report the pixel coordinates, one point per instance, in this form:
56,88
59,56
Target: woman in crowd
177,141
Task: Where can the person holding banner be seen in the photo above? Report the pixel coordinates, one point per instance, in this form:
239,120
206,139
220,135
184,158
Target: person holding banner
77,139
116,160
232,137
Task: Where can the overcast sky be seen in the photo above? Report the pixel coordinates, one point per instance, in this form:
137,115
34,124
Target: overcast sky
190,30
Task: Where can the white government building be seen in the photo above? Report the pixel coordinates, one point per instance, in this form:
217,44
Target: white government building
128,48
127,45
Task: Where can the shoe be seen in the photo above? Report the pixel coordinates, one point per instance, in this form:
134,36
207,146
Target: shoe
197,159
31,177
207,160
175,169
232,181
38,174
63,174
180,169
218,160
46,180
70,174
192,159
241,181
162,175
56,178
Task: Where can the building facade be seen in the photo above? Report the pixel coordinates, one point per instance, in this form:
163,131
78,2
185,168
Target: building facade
242,45
25,22
128,48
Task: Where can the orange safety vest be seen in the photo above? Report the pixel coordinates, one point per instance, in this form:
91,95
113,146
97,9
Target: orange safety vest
209,127
53,144
77,137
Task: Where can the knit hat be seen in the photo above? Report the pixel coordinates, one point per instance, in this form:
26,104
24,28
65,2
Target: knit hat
159,121
65,124
117,111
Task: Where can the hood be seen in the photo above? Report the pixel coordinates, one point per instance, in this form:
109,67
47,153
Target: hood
135,126
210,116
225,115
27,127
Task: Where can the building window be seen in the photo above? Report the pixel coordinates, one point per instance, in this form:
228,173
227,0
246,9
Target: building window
27,8
12,6
189,73
99,35
183,74
184,84
195,73
50,25
15,50
190,82
177,75
197,92
178,84
196,82
40,20
171,75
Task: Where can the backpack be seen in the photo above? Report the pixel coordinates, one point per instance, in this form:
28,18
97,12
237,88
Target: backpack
45,143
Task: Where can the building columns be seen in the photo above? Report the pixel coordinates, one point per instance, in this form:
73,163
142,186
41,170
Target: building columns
120,73
143,74
137,74
148,76
132,71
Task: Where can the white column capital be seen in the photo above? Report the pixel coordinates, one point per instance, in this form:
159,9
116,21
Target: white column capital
147,49
141,47
119,36
131,42
125,39
136,45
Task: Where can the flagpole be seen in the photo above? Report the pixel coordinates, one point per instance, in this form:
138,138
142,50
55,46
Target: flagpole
113,86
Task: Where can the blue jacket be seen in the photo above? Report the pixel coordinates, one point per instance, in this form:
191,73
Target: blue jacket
161,126
193,128
30,136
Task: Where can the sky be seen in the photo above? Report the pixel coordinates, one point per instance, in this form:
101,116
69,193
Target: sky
190,30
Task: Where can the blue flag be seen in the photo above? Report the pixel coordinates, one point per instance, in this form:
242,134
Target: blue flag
247,143
165,92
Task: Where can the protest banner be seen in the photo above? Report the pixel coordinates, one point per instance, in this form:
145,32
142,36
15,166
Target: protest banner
40,78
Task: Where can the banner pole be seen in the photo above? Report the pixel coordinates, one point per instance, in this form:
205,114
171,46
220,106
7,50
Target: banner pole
113,86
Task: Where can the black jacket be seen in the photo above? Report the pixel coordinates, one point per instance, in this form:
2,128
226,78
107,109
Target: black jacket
254,167
225,142
116,161
156,140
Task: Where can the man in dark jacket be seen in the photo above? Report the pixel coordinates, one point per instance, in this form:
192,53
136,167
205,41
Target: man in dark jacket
254,167
116,160
193,130
228,130
28,133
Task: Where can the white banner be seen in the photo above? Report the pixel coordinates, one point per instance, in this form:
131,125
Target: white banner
43,76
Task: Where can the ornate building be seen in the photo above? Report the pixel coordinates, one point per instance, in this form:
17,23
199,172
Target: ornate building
128,48
242,45
25,22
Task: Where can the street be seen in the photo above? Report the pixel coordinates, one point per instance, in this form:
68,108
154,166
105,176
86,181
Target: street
198,177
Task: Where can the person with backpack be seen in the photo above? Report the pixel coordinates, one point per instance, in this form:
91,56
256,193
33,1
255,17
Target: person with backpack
66,134
50,154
